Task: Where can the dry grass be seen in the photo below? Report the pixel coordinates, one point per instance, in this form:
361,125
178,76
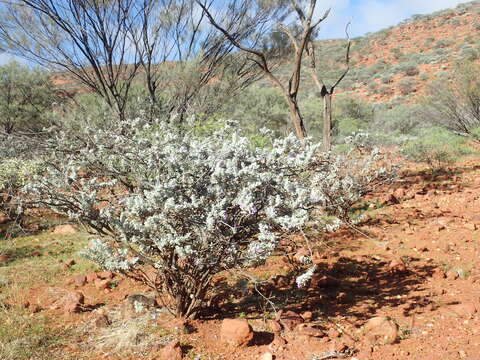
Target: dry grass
127,335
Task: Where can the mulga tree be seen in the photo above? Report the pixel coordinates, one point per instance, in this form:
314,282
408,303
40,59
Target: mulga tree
108,45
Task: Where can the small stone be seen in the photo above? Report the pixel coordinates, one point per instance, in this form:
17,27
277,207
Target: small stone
400,193
380,330
34,308
237,332
452,274
310,331
397,266
307,316
274,326
391,200
73,302
4,259
438,274
101,284
333,333
277,343
266,356
301,255
68,264
172,351
102,321
92,277
65,230
106,275
80,280
466,310
290,320
323,281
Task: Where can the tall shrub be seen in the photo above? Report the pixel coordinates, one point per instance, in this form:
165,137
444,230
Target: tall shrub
172,210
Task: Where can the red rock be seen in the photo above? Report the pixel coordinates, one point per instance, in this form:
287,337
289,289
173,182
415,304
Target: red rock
466,310
333,333
92,277
277,344
323,281
266,356
237,332
438,274
309,331
34,308
80,280
36,253
397,266
4,259
452,275
307,316
300,255
101,284
274,326
399,193
290,320
106,275
172,351
73,302
391,200
68,264
102,321
380,330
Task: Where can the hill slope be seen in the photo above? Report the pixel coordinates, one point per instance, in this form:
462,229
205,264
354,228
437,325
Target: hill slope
396,63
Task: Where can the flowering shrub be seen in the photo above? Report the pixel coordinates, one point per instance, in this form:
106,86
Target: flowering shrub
172,209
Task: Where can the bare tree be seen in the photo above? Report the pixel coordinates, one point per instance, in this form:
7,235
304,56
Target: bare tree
109,45
245,22
326,92
86,39
175,46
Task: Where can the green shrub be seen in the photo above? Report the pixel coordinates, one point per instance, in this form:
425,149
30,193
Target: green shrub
455,105
406,86
436,147
14,174
27,98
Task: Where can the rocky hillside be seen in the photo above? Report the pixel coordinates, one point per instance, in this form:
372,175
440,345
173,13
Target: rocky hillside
395,64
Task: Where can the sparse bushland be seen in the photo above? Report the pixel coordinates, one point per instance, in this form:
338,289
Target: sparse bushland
456,105
436,147
172,210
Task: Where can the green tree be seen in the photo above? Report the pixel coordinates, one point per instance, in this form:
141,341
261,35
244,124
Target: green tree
27,98
455,105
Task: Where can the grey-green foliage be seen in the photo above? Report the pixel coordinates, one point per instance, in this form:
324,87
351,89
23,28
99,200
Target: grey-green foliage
27,98
258,107
398,120
436,147
456,104
14,174
186,207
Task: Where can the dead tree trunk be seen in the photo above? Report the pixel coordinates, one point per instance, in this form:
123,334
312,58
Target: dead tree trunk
327,122
327,93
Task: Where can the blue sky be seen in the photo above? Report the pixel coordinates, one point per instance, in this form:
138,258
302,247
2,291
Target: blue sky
374,15
366,15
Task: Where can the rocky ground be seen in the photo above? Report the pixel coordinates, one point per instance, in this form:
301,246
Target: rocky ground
405,284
